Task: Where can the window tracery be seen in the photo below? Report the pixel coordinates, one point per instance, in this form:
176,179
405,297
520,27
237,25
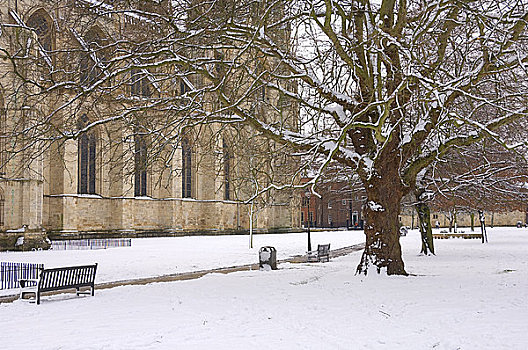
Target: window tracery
140,84
87,152
140,165
41,23
93,58
186,169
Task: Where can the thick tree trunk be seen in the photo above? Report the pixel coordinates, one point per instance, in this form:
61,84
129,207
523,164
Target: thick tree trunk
472,215
382,248
424,219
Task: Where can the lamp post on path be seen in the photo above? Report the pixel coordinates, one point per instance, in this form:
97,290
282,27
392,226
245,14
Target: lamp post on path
308,194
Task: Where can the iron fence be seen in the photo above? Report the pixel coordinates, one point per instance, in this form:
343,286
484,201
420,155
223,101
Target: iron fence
11,273
87,244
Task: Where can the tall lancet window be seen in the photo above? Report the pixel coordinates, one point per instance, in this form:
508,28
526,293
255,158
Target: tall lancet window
140,84
94,57
140,165
227,171
2,202
186,169
87,151
41,23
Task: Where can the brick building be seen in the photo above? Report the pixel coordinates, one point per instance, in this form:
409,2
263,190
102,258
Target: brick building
339,205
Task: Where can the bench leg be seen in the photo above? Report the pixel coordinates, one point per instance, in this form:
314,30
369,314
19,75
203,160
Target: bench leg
38,298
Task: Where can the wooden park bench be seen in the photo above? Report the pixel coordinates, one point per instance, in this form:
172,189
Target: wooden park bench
322,253
58,279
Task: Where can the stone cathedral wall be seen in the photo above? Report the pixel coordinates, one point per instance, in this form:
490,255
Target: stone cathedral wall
42,196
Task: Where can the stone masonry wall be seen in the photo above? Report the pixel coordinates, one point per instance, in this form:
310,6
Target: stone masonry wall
70,214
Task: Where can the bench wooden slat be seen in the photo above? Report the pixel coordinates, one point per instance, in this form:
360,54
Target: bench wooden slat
44,280
69,277
60,278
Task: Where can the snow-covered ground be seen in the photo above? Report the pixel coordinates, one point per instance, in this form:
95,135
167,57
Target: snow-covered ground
469,296
150,257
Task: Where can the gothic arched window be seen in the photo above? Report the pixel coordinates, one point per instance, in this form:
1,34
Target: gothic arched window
140,84
227,171
2,204
41,23
140,165
93,58
186,169
87,151
184,88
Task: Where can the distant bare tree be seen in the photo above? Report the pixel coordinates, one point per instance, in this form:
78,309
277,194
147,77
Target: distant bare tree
482,176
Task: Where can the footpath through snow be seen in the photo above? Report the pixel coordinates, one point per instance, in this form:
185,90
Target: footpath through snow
469,296
155,257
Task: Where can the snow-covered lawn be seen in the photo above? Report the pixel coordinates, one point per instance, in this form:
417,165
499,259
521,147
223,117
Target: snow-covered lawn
469,296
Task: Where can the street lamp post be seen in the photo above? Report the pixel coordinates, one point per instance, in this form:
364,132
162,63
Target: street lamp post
352,223
308,194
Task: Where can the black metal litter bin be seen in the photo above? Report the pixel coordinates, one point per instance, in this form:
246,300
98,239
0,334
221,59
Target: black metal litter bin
268,258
